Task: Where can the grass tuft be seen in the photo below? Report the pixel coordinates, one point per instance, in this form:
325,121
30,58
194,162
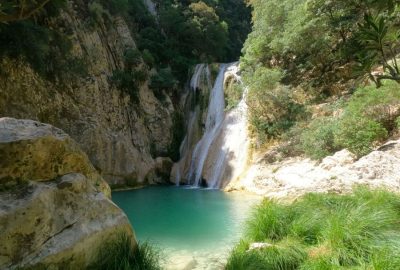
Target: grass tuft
324,231
123,254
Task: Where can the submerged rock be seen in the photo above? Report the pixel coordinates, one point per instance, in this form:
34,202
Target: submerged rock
55,210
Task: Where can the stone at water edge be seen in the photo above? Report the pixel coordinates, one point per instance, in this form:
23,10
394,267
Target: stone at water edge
58,217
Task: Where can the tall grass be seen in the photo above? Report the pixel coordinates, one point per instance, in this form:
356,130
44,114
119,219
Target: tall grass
123,254
324,231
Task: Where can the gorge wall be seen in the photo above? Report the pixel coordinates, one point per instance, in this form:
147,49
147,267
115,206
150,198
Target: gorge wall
122,138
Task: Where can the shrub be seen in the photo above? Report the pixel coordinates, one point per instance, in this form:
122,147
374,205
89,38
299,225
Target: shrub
376,104
123,254
317,140
233,95
44,49
148,58
124,80
163,80
272,106
369,116
398,122
97,12
324,231
132,58
358,134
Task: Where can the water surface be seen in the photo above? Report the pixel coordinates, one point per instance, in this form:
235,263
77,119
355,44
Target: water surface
186,218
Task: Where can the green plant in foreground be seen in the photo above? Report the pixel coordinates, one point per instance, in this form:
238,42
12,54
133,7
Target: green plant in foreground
324,231
123,254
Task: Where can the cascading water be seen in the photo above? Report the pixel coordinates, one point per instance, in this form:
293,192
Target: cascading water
220,154
215,117
227,158
200,81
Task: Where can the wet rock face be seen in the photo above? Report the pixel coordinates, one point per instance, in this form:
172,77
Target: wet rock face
54,207
117,133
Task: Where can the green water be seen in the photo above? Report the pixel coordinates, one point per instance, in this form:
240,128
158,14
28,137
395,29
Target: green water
186,219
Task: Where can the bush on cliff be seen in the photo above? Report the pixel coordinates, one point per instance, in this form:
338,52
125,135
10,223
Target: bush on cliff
323,231
122,254
369,116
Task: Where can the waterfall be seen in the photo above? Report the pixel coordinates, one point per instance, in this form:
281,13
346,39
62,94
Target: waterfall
229,159
215,117
151,7
216,145
201,80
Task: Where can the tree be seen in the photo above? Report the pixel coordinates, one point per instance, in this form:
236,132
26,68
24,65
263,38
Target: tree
17,10
380,42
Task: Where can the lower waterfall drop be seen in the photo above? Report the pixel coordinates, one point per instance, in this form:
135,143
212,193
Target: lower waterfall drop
215,117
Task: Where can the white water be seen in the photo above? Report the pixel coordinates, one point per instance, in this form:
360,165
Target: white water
215,117
220,155
228,155
201,78
151,7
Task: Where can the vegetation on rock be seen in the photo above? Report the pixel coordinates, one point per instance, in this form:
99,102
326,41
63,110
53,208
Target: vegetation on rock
301,53
323,231
368,116
124,254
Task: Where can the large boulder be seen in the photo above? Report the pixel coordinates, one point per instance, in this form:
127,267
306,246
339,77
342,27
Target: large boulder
35,151
55,211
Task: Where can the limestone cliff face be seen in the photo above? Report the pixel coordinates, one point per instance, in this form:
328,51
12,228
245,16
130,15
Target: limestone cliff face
54,209
118,135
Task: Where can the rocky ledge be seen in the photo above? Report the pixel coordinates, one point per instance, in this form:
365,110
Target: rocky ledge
293,177
55,209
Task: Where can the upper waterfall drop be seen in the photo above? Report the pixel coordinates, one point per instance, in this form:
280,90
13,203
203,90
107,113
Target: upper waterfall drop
215,147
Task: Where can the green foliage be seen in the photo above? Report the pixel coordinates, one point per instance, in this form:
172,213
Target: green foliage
148,58
123,254
398,122
129,81
316,39
288,254
47,51
178,133
98,12
379,37
358,134
233,95
13,11
132,58
376,104
163,80
324,231
317,141
368,117
272,106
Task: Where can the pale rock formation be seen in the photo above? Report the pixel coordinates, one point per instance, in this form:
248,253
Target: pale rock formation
55,212
293,177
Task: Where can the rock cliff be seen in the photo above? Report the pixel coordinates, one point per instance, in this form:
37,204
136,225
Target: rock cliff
55,210
122,138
